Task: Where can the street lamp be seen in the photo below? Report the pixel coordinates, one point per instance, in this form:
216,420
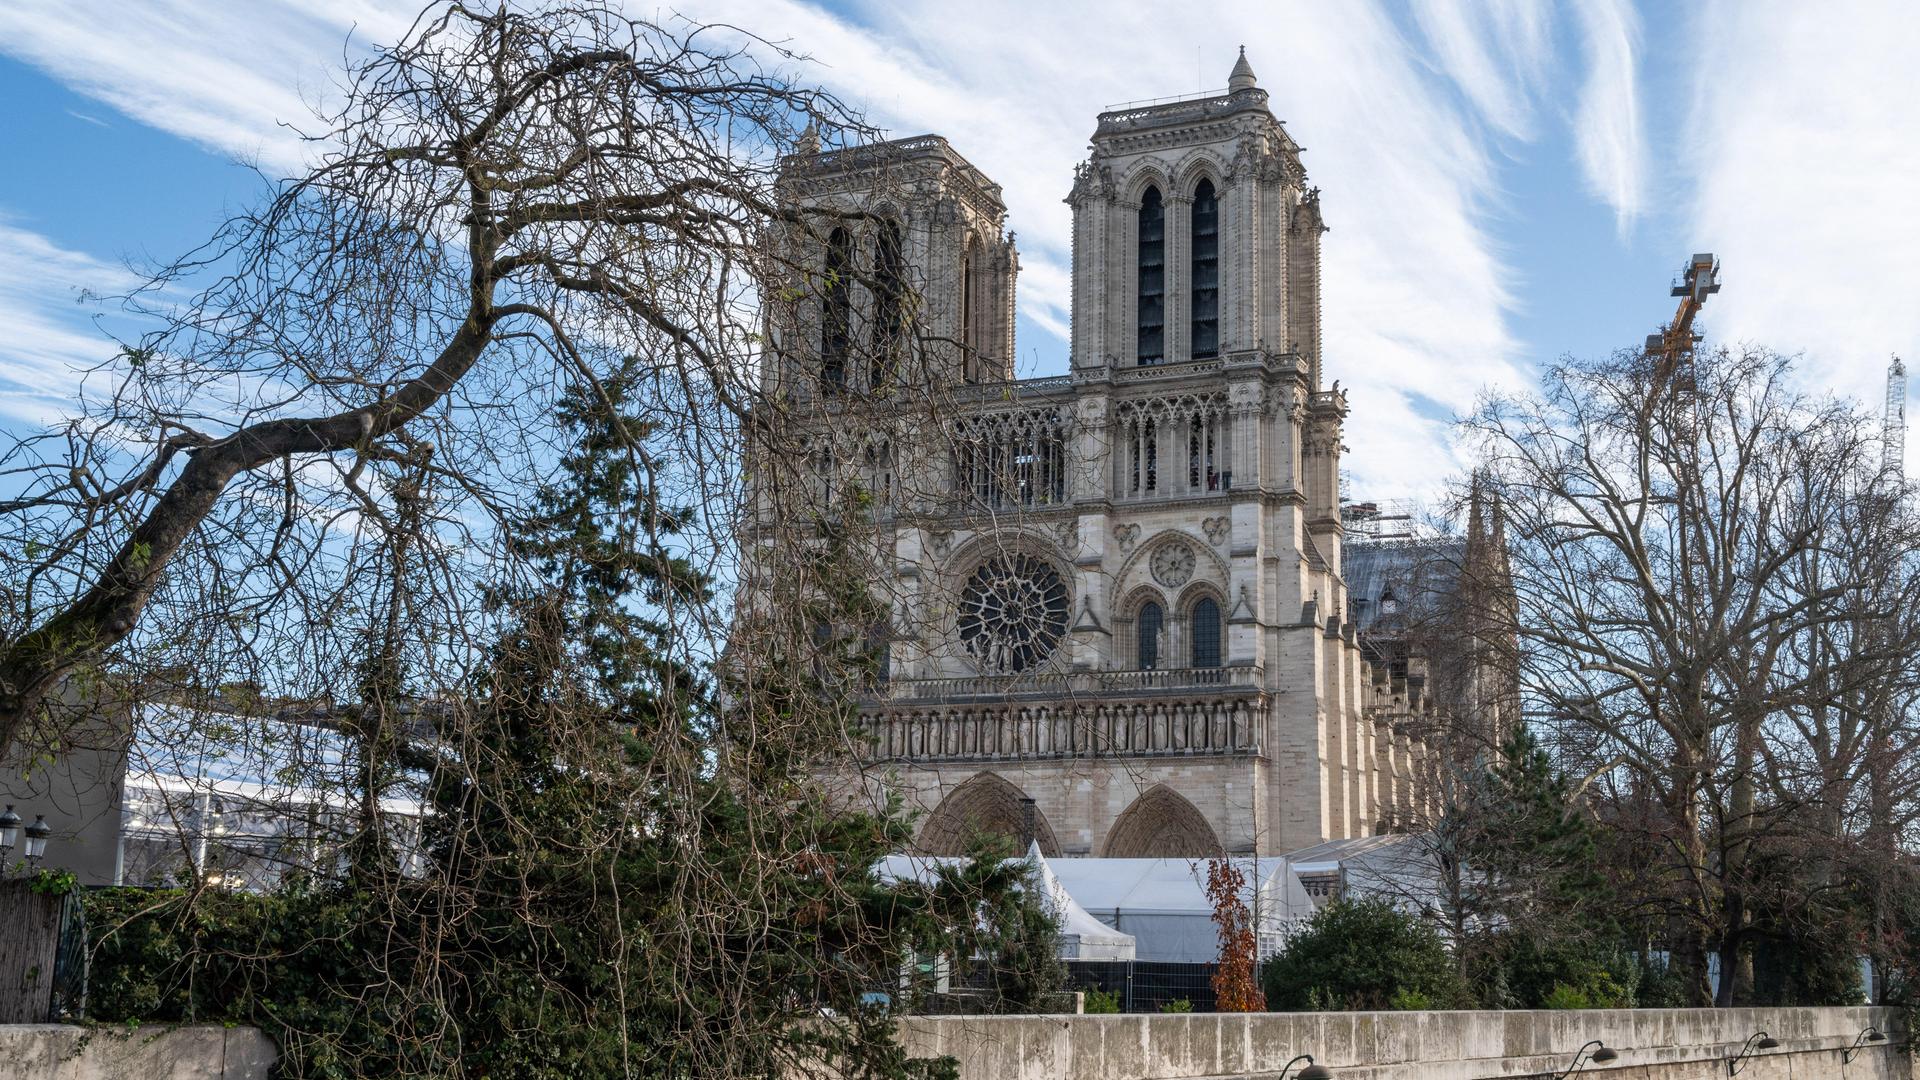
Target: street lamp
9,831
37,834
1759,1040
1601,1056
1870,1035
1311,1072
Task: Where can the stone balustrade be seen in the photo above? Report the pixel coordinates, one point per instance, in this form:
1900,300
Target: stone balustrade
1070,724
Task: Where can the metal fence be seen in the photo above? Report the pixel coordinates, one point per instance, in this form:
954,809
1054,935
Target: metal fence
1145,986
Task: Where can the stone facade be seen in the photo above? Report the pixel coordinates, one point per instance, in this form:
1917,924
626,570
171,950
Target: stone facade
1119,592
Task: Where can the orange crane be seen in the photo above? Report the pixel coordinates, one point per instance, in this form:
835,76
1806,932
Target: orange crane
1672,347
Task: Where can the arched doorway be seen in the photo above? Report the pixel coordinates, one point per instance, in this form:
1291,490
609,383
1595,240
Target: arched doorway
1161,824
987,803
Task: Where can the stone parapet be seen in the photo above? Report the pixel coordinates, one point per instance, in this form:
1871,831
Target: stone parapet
1653,1044
149,1052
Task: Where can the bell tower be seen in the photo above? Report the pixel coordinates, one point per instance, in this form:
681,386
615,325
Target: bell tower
1195,235
906,262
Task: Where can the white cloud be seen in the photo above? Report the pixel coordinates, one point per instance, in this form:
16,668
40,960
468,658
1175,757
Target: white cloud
49,343
1497,51
1803,155
1415,303
223,77
1607,126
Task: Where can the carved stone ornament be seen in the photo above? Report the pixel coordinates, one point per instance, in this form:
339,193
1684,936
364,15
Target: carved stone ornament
1217,529
1126,535
1069,533
939,543
1173,564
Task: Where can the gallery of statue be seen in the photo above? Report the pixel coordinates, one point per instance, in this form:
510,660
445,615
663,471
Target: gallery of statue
1120,622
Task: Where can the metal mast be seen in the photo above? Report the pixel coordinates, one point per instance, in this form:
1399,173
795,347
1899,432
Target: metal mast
1672,348
1893,423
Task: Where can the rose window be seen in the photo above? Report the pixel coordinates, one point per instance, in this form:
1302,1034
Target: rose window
1013,612
1173,564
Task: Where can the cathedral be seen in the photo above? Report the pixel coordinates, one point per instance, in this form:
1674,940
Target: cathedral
1122,623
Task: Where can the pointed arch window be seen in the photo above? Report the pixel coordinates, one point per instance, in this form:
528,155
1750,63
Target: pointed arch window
1152,347
1205,260
1206,633
889,305
1147,628
836,312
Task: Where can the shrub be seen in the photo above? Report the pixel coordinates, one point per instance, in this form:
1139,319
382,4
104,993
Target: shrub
1563,996
1177,1005
1361,954
1102,1001
1523,971
1405,1000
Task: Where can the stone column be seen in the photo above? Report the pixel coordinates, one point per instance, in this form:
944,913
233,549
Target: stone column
1179,277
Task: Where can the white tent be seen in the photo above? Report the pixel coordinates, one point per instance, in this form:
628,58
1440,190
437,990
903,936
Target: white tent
1163,902
1082,936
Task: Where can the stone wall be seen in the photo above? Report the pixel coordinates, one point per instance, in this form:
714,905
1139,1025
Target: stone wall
154,1052
1653,1044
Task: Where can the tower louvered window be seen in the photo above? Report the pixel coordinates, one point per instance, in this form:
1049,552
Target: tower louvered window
1206,634
889,305
1206,272
836,312
1153,279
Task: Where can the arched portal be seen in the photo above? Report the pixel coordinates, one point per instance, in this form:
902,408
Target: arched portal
986,804
1161,824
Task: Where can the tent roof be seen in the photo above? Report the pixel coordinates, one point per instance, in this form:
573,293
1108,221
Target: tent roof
1156,886
1075,920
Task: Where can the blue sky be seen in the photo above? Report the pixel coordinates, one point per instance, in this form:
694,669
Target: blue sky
1506,181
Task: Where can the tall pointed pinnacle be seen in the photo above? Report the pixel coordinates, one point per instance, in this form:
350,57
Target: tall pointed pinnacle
1242,76
809,141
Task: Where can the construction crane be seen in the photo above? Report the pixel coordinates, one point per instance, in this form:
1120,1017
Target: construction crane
1672,348
1893,424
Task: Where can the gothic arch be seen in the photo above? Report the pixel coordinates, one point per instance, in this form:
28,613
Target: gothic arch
987,803
1209,567
1201,592
1151,172
1126,626
1159,825
1197,166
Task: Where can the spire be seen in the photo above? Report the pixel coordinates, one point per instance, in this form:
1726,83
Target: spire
809,142
1242,75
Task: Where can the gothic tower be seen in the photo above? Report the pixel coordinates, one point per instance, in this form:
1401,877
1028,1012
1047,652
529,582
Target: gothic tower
911,241
1121,626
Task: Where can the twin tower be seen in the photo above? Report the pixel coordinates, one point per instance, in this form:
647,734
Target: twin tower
1118,618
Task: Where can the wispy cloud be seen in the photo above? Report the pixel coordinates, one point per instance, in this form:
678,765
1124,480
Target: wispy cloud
44,305
1607,126
1802,157
228,79
1415,304
1497,51
94,120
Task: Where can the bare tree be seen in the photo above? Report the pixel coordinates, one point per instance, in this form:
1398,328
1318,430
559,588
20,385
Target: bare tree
505,204
1670,625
